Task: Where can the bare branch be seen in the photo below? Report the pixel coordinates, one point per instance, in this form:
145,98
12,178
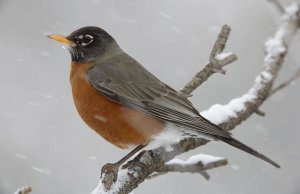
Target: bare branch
24,190
286,83
216,62
147,162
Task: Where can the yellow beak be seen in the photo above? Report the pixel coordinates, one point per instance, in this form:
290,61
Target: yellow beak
62,39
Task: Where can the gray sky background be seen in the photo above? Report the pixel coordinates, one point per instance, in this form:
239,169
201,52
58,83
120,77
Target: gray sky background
44,143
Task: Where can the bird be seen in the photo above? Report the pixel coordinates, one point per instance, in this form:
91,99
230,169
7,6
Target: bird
125,103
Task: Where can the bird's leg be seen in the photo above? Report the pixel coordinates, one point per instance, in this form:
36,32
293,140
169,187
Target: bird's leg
113,168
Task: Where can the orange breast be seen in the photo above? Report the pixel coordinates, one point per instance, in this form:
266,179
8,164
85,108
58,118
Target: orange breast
119,125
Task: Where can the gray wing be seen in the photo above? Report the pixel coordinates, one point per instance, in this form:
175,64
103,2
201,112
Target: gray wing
131,85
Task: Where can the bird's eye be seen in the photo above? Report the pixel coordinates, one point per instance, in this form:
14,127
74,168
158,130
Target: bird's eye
87,39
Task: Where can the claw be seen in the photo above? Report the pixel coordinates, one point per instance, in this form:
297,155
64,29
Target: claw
111,169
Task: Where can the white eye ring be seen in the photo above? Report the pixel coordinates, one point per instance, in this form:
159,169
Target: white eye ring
86,39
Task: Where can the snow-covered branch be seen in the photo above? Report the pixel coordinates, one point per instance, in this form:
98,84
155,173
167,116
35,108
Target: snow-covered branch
239,109
226,116
199,163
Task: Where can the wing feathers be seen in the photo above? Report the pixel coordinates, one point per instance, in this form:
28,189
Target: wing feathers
146,93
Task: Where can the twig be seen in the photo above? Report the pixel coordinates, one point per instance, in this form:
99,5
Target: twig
23,190
286,83
216,62
260,113
278,5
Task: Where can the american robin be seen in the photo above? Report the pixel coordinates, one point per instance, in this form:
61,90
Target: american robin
126,104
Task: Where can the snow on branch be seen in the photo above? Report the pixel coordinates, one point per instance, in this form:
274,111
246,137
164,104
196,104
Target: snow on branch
199,163
149,162
241,108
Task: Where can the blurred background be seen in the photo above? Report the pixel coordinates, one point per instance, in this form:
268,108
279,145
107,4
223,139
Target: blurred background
44,143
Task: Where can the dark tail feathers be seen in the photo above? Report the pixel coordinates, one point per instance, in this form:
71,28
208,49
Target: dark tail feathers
241,146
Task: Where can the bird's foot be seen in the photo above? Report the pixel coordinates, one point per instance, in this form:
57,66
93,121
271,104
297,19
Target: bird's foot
111,169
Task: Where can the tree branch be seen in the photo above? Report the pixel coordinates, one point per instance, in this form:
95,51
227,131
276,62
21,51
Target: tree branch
196,164
216,63
237,110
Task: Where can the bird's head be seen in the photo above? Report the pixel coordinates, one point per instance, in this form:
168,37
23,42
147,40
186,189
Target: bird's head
88,44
